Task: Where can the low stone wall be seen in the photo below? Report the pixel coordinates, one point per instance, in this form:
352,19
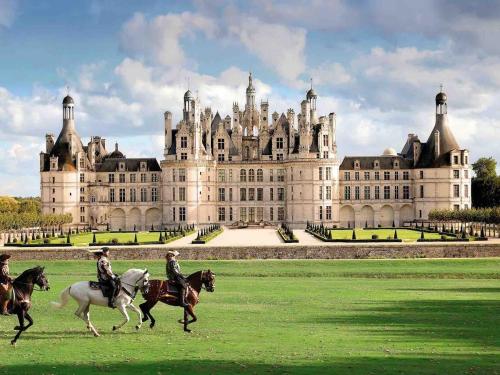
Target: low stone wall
337,251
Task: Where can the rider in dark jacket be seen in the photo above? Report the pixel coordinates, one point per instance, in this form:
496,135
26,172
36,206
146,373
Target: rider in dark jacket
5,284
105,274
174,274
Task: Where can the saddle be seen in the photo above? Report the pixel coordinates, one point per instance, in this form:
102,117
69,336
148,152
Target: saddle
105,289
172,287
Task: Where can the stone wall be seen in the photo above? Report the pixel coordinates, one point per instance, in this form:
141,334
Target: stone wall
342,251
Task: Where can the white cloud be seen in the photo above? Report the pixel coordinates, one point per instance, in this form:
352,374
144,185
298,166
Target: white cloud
8,11
329,73
159,39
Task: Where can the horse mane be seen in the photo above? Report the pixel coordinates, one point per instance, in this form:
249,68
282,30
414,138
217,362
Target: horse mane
25,275
132,270
194,274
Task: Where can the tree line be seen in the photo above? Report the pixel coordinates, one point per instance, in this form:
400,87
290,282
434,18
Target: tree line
18,213
473,215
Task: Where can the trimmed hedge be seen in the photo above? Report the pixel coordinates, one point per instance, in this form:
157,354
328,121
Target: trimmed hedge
326,239
204,239
285,238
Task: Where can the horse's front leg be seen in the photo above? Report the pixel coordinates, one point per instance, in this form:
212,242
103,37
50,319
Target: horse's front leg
190,310
86,318
186,320
20,316
123,311
29,319
139,314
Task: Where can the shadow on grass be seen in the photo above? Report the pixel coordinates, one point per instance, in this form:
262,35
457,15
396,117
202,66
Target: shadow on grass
457,290
472,321
454,364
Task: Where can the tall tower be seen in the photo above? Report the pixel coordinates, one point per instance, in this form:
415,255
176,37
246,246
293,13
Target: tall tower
250,93
311,97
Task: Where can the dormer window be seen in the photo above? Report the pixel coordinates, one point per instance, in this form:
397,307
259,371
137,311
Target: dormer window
396,164
143,166
356,164
376,164
122,166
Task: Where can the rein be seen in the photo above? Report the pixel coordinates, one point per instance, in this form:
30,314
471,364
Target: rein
136,287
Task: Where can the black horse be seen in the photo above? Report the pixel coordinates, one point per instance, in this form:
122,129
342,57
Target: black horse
22,290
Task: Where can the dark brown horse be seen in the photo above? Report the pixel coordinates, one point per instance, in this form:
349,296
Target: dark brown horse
22,290
160,290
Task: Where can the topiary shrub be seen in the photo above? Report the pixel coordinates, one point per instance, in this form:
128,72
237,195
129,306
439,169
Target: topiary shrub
374,236
443,237
115,241
46,241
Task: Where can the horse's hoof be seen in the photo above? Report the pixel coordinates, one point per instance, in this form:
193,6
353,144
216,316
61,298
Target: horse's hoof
144,319
114,328
17,328
96,335
137,327
151,325
180,321
13,343
187,330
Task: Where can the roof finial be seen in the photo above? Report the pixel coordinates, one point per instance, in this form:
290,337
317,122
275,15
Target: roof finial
67,90
441,87
311,82
116,146
188,79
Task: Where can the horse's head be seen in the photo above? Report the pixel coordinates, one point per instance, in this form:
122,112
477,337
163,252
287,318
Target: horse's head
144,284
208,280
40,279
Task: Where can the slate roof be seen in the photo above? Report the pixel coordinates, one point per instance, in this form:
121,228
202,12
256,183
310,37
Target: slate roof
132,164
368,162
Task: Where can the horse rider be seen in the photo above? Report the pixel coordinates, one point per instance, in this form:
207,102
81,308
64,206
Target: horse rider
5,284
105,274
175,276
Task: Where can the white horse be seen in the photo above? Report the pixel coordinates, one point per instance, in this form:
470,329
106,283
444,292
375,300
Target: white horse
131,282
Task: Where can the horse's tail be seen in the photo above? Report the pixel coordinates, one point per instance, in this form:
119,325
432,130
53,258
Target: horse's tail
63,297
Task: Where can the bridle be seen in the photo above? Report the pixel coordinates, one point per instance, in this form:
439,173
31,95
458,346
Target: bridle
205,280
135,286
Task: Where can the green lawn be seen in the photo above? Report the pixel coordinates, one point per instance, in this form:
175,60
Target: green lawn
281,317
83,239
363,234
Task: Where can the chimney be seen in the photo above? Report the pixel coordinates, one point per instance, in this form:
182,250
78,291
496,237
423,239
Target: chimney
436,144
49,142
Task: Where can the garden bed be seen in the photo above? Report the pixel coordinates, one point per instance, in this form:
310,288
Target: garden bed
206,238
356,240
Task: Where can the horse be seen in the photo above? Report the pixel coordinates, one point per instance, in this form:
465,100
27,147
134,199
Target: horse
22,289
159,291
132,281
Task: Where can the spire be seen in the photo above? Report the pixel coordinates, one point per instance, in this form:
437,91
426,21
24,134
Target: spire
250,88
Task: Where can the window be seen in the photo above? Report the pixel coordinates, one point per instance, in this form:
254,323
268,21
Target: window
82,190
222,213
325,154
82,163
356,192
230,175
220,157
328,173
406,175
144,195
328,192
466,160
347,192
347,176
154,177
133,197
182,213
182,175
421,174
230,214
184,156
251,194
251,175
243,175
396,175
184,142
82,219
154,194
121,193
421,191
356,176
281,194
221,175
466,173
82,177
82,209
377,175
279,143
387,175
281,213
320,212
456,191
466,191
243,194
320,171
396,192
111,178
243,214
455,159
111,195
220,143
367,192
53,180
328,212
173,214
271,194
230,194
260,194
377,192
271,214
173,194
121,178
222,194
325,140
260,175
456,173
92,198
367,176
82,199
320,192
406,192
182,193
456,207
281,175
144,177
271,178
279,156
387,192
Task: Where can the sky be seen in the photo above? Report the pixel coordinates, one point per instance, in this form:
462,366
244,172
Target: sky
377,64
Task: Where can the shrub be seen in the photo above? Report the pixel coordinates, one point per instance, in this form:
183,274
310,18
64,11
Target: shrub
443,237
374,236
115,241
46,241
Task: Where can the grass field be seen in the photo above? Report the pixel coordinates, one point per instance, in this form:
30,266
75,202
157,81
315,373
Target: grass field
281,317
364,234
83,239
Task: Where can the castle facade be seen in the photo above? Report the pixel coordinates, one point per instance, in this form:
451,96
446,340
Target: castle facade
252,167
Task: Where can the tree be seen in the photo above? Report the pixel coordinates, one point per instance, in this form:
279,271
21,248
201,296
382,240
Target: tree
485,187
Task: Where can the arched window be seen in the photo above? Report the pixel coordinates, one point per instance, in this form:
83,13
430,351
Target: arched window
243,175
251,175
260,175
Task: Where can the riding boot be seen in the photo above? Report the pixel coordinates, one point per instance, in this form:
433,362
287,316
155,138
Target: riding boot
111,302
5,305
182,298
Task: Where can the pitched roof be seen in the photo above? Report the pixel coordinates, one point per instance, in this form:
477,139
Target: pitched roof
132,164
368,162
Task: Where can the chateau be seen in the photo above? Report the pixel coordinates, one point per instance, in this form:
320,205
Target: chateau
252,167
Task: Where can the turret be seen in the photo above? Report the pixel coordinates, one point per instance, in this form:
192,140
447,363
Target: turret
236,115
311,97
250,93
168,131
264,114
49,142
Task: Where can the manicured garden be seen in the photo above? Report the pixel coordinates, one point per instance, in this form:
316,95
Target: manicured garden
279,317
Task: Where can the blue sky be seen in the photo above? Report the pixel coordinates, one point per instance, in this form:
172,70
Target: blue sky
376,64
